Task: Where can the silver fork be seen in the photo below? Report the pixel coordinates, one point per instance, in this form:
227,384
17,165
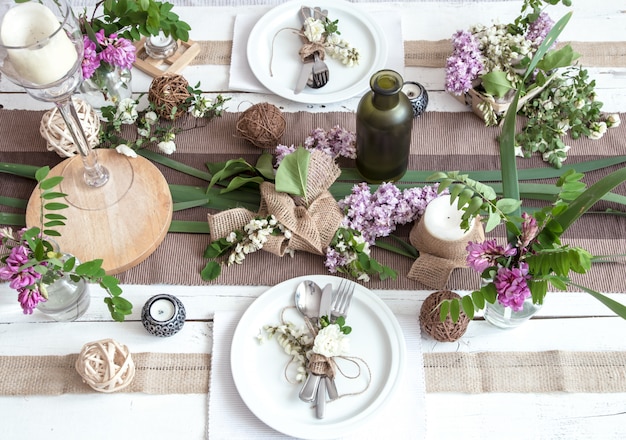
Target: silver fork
321,73
341,301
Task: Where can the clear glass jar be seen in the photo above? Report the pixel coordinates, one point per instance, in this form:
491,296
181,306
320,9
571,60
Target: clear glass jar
68,300
107,87
507,318
384,120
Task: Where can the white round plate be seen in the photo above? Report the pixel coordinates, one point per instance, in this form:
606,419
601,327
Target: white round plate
278,27
258,369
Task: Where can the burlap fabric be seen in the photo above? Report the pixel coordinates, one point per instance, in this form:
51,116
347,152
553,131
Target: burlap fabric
312,222
438,258
491,372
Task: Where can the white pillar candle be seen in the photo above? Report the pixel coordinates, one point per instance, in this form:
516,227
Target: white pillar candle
27,24
162,310
443,221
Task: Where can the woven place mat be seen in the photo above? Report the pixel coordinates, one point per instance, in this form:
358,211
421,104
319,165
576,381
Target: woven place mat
440,141
428,53
490,372
155,373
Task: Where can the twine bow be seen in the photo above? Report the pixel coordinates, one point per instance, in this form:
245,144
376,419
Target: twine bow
312,227
438,258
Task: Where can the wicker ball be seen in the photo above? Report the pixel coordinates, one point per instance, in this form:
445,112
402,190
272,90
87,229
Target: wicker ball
262,124
167,92
446,331
105,365
54,130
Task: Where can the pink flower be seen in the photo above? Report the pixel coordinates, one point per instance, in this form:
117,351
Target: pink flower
483,255
529,230
91,60
512,286
29,299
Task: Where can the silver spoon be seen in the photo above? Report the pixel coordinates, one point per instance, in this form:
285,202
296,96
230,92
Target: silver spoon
307,299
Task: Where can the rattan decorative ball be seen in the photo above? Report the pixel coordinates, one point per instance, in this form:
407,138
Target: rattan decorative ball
167,92
54,130
446,331
262,124
105,365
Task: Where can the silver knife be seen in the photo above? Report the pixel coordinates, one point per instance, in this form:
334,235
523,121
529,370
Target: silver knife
305,73
325,309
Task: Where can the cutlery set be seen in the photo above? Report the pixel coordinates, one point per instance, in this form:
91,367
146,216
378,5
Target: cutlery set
332,306
314,72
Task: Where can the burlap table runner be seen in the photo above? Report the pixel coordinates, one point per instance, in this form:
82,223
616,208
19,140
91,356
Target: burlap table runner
440,141
428,53
506,372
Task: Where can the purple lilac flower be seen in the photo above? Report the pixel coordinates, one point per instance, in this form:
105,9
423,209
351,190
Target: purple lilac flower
91,60
378,214
337,142
465,63
334,259
29,299
512,286
480,256
539,29
282,151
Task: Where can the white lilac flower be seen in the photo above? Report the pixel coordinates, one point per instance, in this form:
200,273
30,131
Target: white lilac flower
126,150
144,132
598,129
330,341
167,147
548,154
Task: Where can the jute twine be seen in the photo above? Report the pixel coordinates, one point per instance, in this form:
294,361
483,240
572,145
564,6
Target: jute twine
438,258
168,93
105,365
448,330
312,225
262,124
59,139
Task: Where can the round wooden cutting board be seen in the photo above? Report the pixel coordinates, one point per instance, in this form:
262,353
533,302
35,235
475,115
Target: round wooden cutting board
122,222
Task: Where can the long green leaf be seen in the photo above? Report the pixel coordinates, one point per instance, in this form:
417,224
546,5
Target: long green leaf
171,163
189,227
180,206
21,170
613,305
13,202
12,219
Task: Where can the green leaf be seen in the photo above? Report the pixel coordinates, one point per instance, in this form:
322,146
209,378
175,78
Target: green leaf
613,305
55,206
496,83
291,176
468,306
455,310
444,308
50,182
42,173
240,181
190,227
265,165
211,271
555,59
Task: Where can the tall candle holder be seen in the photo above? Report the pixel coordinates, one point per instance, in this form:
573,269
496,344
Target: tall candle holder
41,49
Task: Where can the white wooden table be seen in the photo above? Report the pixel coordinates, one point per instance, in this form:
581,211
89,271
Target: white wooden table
568,321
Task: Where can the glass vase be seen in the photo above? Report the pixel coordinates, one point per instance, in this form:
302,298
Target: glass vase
107,87
68,300
384,120
505,317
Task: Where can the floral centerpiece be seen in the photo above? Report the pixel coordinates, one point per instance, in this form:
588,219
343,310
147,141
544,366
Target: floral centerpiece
33,262
534,256
487,67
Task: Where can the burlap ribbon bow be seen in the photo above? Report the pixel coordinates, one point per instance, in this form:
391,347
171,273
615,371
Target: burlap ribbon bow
312,227
438,258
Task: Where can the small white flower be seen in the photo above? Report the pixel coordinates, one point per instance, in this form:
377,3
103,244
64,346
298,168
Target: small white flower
127,111
313,30
167,147
613,120
151,117
126,150
231,238
144,132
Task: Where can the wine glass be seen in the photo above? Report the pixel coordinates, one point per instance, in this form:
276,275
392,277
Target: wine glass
41,49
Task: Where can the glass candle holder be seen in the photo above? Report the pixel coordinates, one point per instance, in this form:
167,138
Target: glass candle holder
163,315
160,46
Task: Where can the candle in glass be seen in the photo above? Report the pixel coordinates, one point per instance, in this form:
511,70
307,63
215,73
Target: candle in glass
160,46
30,23
162,310
443,220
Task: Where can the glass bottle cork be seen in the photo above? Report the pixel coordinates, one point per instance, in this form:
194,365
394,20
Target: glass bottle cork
384,120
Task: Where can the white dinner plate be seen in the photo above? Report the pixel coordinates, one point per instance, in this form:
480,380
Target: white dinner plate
356,26
259,369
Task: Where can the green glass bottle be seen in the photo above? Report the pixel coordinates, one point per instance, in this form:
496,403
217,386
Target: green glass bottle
384,119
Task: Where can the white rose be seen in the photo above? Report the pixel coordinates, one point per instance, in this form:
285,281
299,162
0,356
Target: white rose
127,111
330,341
313,30
167,147
125,150
613,120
